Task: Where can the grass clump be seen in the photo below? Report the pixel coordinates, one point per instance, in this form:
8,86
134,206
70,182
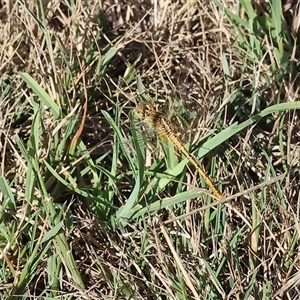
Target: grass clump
93,208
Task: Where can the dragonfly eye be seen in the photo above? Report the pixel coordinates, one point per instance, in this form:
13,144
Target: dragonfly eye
148,109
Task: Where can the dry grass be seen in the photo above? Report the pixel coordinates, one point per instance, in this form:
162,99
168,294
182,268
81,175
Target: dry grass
61,232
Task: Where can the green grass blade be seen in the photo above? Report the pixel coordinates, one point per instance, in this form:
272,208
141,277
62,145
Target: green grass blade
41,93
236,128
166,202
9,198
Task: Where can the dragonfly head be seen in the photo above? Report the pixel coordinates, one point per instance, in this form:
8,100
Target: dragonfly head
144,109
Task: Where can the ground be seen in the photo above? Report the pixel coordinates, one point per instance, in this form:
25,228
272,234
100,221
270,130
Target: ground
93,205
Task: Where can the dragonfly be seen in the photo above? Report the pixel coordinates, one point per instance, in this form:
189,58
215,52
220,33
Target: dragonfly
163,127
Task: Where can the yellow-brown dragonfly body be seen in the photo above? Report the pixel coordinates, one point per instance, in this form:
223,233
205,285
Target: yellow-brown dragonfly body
163,128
